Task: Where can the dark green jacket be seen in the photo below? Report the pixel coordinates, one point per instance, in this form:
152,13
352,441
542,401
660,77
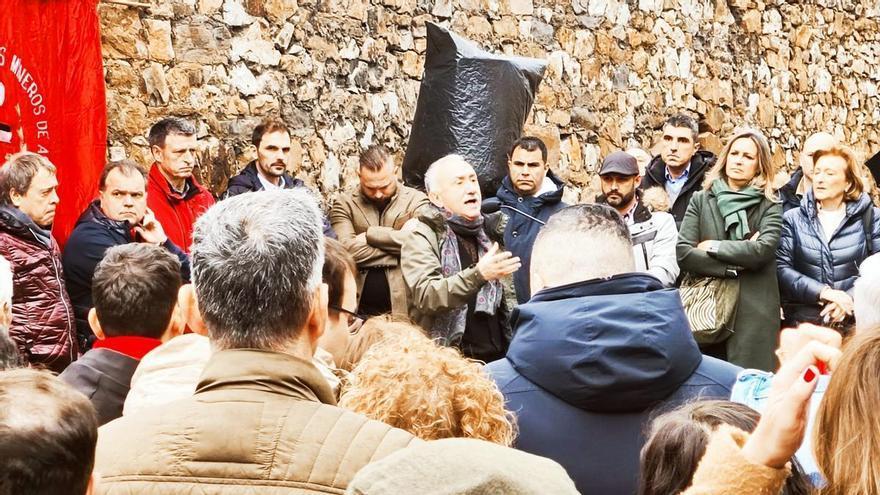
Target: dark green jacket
756,327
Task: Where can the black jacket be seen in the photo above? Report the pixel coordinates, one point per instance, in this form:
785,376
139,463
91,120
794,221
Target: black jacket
589,365
519,236
806,263
788,193
104,376
92,236
248,181
655,175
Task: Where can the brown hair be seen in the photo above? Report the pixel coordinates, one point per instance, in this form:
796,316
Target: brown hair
135,290
856,182
763,179
678,439
169,126
268,126
49,433
127,167
337,262
846,437
18,172
375,330
430,391
374,158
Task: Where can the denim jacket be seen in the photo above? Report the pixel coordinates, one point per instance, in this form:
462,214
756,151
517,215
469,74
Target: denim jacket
752,388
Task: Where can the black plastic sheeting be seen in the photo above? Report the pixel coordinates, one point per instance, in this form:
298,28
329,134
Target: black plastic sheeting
472,103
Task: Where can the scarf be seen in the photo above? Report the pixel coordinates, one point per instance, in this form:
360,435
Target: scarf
734,207
450,325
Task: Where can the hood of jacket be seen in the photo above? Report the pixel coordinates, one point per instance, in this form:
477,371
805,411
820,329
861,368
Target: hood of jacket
620,344
17,223
702,160
508,195
792,184
94,214
853,208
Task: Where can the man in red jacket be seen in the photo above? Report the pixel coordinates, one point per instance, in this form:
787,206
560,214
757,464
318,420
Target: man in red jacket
173,194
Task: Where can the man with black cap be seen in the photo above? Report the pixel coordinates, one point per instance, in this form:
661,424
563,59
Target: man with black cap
653,233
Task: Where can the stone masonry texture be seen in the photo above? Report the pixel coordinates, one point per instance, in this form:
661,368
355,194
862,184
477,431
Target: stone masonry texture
344,74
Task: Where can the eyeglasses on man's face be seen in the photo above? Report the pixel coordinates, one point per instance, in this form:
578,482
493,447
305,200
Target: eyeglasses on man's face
354,320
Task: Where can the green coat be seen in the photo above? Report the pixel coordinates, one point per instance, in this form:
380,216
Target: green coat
756,327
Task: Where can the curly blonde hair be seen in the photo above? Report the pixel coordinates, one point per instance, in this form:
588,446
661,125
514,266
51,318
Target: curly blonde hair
375,330
430,391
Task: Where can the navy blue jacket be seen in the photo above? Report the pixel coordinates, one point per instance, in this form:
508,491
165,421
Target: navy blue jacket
788,193
591,363
655,175
519,236
806,262
248,181
92,236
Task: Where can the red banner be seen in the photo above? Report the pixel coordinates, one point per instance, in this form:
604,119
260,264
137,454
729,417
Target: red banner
52,95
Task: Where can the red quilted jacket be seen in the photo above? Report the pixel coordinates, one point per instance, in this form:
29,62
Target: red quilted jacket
42,316
177,213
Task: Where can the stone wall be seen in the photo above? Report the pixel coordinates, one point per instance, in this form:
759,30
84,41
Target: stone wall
345,73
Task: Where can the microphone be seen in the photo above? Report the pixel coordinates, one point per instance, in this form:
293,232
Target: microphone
492,205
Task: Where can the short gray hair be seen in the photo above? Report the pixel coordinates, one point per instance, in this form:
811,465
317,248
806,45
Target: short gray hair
431,173
256,263
19,171
866,294
582,242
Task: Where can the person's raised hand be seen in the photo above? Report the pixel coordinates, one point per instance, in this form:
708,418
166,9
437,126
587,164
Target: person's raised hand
496,263
150,229
780,431
792,340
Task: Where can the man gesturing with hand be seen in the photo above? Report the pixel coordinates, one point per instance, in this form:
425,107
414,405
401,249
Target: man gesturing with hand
452,267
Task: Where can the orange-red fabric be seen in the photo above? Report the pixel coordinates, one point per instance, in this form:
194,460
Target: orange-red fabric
52,98
177,213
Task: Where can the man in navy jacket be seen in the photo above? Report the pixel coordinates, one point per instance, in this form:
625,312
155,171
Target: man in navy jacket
532,190
119,216
598,351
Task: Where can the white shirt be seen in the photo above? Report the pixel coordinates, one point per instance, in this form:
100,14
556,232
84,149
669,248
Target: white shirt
830,219
267,185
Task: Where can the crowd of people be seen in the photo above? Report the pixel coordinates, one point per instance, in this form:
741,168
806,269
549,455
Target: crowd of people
702,327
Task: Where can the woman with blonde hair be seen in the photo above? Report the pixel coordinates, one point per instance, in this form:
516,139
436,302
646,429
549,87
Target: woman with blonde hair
825,240
428,390
731,231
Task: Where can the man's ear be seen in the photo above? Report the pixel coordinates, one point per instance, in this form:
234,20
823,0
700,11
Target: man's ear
176,324
536,283
156,151
317,317
188,305
96,325
696,144
638,181
93,480
434,197
15,197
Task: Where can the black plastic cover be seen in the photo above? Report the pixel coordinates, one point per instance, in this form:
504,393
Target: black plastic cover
472,103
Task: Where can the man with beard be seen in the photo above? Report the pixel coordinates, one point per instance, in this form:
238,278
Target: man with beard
654,234
268,172
372,223
681,165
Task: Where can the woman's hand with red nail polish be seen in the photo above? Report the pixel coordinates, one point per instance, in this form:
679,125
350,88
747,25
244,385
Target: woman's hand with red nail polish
781,429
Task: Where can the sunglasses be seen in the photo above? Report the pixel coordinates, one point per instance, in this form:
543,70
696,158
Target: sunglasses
354,320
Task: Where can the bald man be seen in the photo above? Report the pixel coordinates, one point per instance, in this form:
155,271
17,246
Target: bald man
792,193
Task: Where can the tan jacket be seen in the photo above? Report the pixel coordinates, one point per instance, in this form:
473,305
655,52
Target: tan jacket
353,214
430,292
259,422
725,471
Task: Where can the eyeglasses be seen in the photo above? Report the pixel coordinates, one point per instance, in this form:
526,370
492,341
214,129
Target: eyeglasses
354,320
